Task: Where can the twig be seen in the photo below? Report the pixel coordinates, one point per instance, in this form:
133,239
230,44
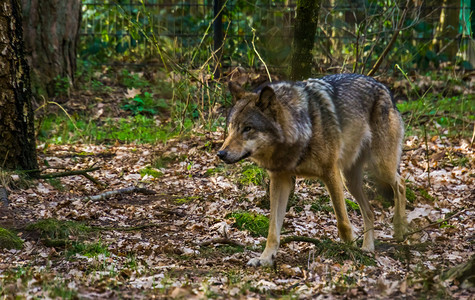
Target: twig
295,238
73,173
258,55
131,228
220,240
427,154
435,223
129,190
68,173
391,42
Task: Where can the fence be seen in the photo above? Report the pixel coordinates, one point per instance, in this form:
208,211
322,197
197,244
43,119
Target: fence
355,31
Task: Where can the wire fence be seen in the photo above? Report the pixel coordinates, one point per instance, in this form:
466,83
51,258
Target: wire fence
137,31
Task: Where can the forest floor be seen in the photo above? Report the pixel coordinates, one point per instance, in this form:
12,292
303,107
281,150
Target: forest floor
193,236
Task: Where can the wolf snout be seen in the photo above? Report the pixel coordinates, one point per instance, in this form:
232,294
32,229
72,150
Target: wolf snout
222,154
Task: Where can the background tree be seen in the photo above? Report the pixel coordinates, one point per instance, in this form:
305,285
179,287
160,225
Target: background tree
17,138
304,38
445,39
51,31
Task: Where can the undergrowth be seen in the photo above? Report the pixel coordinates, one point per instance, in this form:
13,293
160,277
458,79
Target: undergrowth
256,224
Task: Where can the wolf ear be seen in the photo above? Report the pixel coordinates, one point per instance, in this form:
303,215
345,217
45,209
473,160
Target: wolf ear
236,91
266,98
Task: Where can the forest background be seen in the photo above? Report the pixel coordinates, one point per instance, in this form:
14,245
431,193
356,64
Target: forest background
129,101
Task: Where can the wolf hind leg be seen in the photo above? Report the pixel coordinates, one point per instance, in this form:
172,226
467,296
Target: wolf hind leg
385,152
354,184
391,183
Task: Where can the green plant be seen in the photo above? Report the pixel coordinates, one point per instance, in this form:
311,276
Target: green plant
132,80
256,224
140,129
410,195
56,183
62,85
87,249
151,172
145,104
445,116
9,240
352,205
215,171
58,229
341,252
186,200
322,204
252,175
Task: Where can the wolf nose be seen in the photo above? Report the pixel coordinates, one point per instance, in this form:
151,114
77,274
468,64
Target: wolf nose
222,154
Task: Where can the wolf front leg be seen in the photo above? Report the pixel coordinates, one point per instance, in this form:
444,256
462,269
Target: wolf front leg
280,187
334,184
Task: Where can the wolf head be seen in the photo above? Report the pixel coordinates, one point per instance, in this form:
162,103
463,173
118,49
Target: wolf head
254,125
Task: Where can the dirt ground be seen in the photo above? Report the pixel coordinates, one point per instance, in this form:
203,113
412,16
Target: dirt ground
180,242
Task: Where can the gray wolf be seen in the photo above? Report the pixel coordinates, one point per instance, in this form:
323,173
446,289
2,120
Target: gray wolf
330,128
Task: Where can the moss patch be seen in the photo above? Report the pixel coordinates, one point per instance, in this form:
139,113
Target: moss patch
58,229
9,240
256,224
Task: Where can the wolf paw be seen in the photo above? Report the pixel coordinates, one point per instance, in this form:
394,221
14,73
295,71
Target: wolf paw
260,262
368,248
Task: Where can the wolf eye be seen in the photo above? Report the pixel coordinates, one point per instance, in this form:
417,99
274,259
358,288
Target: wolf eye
246,129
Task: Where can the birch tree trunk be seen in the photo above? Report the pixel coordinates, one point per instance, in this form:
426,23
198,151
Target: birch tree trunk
17,136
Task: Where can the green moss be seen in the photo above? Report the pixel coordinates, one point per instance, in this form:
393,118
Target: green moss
214,171
88,249
352,205
185,200
425,194
58,229
340,252
256,224
151,172
252,175
9,240
322,204
410,195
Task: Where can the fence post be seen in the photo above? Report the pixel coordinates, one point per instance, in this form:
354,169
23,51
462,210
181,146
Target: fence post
218,36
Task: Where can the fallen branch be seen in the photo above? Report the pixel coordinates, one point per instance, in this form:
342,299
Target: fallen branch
129,190
435,223
221,240
295,238
68,173
73,173
131,228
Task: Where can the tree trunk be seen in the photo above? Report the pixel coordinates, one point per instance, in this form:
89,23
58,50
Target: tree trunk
17,136
446,35
304,38
51,30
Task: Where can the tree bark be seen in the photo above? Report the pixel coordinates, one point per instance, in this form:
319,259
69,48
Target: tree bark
17,136
51,31
304,38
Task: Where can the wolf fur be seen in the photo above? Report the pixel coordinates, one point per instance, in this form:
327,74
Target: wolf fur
329,128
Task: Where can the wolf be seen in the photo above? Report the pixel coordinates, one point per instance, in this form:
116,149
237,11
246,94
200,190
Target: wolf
332,129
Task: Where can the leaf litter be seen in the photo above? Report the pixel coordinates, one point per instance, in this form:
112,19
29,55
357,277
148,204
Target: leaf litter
159,245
